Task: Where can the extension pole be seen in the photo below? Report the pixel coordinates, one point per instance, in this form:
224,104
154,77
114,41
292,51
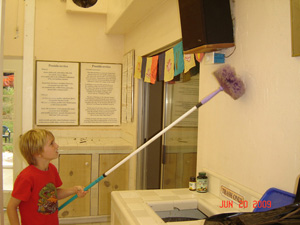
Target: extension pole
206,99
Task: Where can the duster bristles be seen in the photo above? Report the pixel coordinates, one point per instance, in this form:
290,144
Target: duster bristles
228,80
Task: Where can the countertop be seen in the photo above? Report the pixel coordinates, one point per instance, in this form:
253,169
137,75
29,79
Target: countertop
67,144
133,207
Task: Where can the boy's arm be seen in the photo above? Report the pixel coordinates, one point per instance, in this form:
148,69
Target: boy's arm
12,212
63,193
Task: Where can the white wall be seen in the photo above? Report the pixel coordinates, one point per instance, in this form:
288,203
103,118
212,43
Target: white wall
71,36
159,29
80,37
255,140
115,10
14,28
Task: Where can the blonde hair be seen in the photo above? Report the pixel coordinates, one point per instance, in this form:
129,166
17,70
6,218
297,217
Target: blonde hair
32,143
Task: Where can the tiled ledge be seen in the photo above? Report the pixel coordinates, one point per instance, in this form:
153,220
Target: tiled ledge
133,207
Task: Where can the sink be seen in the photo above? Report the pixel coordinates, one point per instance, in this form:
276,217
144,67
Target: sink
181,215
179,210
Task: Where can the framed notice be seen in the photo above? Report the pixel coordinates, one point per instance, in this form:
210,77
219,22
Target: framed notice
100,94
57,93
127,87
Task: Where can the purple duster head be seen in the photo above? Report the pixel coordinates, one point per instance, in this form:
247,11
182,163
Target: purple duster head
228,80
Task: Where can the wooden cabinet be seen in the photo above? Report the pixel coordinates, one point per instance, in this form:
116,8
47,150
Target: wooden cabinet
82,168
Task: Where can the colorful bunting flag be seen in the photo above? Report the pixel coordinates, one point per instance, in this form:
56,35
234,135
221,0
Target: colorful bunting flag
169,65
189,62
161,66
138,67
154,69
144,61
178,59
148,70
199,56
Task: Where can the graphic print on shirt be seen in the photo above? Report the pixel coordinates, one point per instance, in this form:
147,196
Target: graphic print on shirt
48,200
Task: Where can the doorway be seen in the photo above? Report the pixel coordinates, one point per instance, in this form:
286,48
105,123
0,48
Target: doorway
169,161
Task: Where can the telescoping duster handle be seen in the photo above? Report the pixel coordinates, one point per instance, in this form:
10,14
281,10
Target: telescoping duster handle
206,99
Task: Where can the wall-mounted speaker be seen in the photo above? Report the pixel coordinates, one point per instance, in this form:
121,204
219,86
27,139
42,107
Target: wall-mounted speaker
206,25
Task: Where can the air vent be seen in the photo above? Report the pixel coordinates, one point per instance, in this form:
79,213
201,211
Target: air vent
87,6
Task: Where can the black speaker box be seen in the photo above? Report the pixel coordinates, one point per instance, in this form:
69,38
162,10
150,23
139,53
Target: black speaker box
206,25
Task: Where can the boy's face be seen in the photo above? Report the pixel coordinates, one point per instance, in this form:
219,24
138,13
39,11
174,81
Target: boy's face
50,149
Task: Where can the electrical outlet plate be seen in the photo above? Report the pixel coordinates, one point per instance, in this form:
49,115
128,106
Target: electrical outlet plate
213,58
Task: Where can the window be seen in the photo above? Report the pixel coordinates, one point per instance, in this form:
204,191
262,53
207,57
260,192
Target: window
8,129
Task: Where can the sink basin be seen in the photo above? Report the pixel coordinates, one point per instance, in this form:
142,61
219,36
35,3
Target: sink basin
181,215
173,211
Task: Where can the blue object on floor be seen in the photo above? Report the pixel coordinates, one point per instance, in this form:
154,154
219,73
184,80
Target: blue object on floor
277,197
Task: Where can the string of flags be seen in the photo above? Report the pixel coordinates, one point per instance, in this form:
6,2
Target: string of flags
167,66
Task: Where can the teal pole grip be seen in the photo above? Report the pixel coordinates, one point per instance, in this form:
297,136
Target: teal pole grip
85,189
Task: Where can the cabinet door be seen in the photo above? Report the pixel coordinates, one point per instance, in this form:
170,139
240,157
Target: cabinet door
75,170
116,181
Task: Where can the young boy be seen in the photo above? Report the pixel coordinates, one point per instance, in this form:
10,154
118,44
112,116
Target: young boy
36,189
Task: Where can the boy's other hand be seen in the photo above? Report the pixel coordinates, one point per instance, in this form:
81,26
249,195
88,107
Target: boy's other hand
79,191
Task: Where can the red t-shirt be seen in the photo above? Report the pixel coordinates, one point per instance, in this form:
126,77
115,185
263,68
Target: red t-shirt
37,191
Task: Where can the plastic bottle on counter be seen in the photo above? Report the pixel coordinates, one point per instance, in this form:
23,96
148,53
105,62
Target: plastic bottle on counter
192,184
202,183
